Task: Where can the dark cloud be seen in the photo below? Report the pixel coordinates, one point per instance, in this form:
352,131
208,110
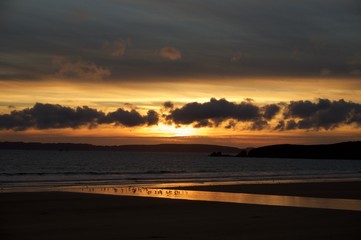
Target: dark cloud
168,105
323,114
203,123
270,111
291,124
280,125
209,34
152,118
215,111
259,124
131,118
304,109
47,116
126,118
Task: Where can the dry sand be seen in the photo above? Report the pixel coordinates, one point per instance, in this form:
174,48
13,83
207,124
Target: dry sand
58,215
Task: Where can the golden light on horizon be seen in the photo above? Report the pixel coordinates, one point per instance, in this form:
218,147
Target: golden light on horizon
175,131
108,96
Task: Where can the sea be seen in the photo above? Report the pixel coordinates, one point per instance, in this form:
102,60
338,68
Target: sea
68,168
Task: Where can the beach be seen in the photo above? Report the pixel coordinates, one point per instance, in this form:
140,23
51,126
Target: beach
346,189
70,215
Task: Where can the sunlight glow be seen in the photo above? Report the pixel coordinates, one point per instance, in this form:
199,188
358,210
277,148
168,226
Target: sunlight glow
173,131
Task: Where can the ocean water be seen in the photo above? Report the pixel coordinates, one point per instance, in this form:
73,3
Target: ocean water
33,168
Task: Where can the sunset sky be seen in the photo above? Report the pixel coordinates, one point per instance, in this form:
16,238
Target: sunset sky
232,72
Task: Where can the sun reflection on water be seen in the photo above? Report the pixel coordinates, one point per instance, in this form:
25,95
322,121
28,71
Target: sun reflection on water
242,198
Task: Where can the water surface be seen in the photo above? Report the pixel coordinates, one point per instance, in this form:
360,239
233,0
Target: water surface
29,168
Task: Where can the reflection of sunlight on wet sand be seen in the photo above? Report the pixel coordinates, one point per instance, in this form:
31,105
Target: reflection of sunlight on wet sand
257,199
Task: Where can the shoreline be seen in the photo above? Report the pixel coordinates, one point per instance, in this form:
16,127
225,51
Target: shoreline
347,189
227,186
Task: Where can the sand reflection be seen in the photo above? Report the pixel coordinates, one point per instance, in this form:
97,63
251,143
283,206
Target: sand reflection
243,198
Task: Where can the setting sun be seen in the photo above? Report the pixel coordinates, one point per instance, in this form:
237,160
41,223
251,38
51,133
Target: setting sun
173,131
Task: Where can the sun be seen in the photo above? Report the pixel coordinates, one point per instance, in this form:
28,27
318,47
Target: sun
171,130
184,131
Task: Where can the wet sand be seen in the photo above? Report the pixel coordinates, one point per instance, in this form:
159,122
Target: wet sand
61,215
344,190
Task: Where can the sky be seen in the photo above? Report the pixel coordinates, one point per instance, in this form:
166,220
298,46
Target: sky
233,72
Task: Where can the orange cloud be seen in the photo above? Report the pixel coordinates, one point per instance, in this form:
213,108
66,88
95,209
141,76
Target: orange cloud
79,69
170,53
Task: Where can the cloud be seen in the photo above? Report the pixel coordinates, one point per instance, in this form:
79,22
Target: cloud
214,111
48,116
168,105
259,124
270,111
152,118
117,48
323,114
304,109
203,123
291,124
170,53
130,118
126,118
79,69
210,33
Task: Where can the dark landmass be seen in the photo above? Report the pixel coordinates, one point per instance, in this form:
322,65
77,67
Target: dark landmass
219,154
121,148
345,150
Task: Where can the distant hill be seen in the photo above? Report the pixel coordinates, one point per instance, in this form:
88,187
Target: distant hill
123,148
345,150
